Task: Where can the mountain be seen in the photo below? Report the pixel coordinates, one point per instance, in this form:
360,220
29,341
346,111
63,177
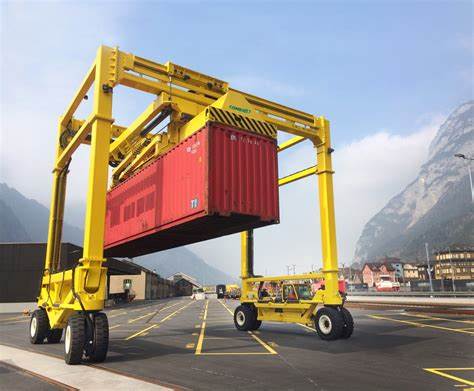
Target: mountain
11,229
180,259
30,219
25,220
436,207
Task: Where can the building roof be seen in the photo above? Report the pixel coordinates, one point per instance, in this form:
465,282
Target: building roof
183,276
455,248
140,268
375,266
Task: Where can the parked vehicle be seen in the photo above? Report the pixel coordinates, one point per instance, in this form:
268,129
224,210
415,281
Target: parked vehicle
220,290
321,285
387,285
234,293
198,294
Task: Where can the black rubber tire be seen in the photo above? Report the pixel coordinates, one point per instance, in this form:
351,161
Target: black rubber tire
257,324
39,326
74,338
244,318
348,328
97,350
54,335
329,323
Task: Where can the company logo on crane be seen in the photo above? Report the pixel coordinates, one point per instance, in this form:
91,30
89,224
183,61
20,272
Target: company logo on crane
240,109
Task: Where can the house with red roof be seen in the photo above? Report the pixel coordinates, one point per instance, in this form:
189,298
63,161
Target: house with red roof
372,271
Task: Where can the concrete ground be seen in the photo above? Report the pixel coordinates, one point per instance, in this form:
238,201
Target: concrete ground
186,344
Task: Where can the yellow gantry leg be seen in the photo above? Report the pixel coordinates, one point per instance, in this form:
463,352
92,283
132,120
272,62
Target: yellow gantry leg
83,288
246,262
327,216
98,178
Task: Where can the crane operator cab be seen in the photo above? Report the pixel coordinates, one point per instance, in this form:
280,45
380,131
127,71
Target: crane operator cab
293,293
285,292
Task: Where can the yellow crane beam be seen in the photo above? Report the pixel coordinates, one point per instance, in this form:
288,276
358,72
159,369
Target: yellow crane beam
188,100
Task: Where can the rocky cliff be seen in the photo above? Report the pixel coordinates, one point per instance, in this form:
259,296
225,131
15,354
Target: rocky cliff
436,207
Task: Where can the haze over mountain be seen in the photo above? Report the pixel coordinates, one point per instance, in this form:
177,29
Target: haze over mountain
436,207
26,220
184,260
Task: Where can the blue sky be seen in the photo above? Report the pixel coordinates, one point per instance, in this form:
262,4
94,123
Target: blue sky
386,73
365,65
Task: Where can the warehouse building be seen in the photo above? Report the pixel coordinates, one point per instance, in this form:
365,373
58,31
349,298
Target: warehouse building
22,264
146,285
184,284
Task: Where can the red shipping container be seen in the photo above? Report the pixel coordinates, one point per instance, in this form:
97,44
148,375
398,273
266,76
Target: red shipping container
217,182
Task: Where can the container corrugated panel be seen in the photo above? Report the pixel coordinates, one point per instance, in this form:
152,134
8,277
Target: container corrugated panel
217,182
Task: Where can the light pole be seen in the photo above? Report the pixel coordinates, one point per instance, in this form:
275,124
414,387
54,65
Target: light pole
429,266
469,159
452,269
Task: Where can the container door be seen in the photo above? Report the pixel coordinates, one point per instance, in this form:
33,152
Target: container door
182,181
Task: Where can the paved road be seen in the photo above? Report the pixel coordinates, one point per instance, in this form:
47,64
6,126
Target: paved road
194,345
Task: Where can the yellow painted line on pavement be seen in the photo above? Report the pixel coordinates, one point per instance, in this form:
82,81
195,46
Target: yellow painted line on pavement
234,353
421,325
120,313
141,332
154,312
175,312
427,317
157,324
147,307
252,334
441,372
219,338
203,328
141,317
170,306
114,327
264,344
139,309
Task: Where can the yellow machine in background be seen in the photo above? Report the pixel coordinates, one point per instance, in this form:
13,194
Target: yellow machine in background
185,100
233,291
332,321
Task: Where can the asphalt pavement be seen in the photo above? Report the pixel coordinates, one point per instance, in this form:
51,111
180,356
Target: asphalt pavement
184,344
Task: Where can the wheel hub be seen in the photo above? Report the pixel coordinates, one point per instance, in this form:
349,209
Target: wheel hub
325,324
33,326
67,339
240,318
